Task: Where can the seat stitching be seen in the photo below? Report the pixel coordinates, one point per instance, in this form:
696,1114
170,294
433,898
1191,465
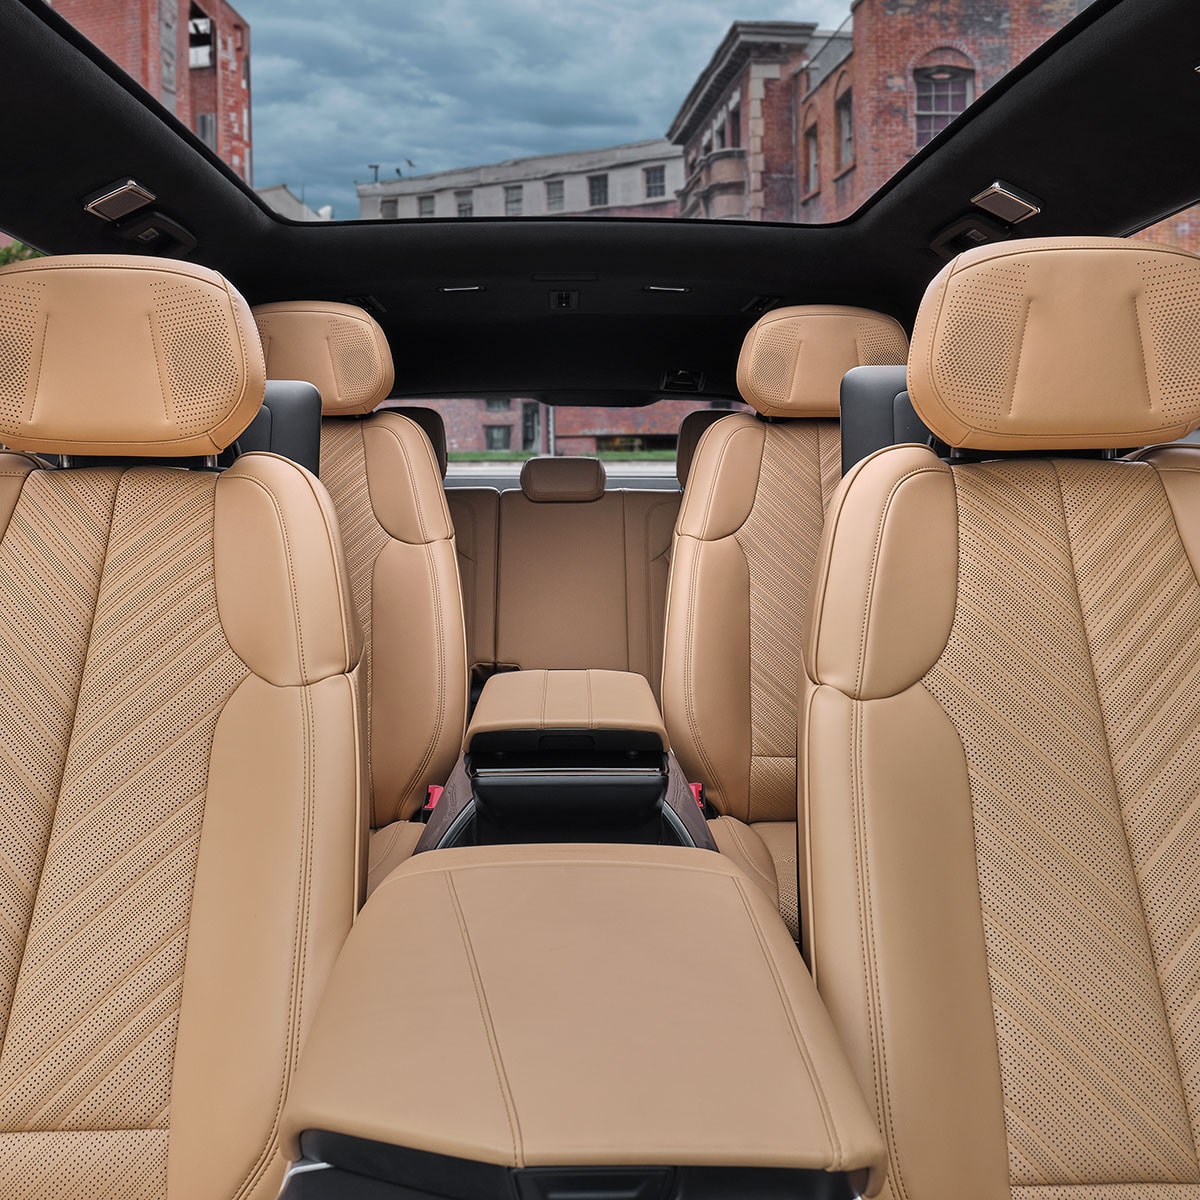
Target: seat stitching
794,1025
488,1027
736,834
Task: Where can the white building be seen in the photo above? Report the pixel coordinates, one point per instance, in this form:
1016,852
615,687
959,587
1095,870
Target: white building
286,203
636,180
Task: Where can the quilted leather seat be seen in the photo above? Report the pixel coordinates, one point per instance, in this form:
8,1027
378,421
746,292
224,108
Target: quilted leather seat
742,562
1001,737
180,811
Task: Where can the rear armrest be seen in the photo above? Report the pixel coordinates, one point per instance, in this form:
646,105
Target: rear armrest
567,1007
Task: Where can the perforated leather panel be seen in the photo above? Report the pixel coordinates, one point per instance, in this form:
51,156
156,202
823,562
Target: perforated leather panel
98,886
801,466
344,473
19,321
1070,675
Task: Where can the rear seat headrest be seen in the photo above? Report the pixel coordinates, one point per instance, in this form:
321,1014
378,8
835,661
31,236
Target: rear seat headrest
144,357
793,359
339,348
1060,343
563,480
431,421
691,430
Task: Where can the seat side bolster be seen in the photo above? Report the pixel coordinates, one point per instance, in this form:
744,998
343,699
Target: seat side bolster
405,480
1179,469
282,588
887,576
14,470
723,479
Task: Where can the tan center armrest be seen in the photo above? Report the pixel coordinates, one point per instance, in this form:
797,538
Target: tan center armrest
567,700
581,1005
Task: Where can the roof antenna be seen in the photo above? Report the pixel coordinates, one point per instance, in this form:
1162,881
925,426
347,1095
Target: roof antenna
374,167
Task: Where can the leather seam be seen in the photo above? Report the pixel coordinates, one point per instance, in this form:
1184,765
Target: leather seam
736,834
835,1143
1120,807
488,1025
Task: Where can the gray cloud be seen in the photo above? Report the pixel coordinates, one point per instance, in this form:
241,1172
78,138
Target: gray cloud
468,82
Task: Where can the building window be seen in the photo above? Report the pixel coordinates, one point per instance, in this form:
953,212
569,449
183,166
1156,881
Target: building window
206,129
812,160
513,199
464,204
389,209
498,403
719,136
424,206
497,437
200,38
845,125
554,195
942,93
735,128
597,190
531,425
656,182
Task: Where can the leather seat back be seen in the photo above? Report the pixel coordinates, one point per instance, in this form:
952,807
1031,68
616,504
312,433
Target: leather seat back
1000,737
746,541
182,839
582,571
386,483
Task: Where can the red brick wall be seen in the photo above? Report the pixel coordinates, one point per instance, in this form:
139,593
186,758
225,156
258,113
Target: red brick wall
128,32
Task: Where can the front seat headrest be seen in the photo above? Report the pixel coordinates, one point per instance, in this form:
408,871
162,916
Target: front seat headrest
339,348
120,355
1060,343
793,359
563,480
691,430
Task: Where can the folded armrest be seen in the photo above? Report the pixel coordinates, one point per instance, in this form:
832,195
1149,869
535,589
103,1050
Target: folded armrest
585,1006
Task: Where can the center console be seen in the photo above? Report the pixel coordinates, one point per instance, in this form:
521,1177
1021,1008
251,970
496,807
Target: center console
623,1022
566,756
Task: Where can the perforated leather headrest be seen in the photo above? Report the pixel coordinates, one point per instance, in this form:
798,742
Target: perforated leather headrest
793,359
691,430
339,348
431,421
123,355
563,480
1060,343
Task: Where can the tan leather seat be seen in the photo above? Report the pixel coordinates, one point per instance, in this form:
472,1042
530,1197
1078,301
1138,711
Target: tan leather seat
691,429
582,571
179,742
386,484
1000,738
745,547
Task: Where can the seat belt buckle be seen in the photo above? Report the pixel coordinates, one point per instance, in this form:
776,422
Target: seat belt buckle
433,794
697,790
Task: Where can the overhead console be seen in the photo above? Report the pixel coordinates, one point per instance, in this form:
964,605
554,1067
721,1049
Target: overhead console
566,756
611,1022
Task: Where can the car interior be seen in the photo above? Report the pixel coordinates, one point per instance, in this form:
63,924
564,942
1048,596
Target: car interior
822,820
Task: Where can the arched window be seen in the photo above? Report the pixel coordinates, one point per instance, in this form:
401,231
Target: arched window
843,105
812,153
945,85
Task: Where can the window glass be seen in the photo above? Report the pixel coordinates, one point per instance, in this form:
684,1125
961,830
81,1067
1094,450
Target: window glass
845,114
497,437
812,159
425,206
513,200
554,195
656,183
942,93
464,204
597,190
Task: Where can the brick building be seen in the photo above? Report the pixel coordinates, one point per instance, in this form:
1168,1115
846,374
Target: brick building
194,58
639,179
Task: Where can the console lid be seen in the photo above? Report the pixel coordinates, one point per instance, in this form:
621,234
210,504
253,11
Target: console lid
573,1010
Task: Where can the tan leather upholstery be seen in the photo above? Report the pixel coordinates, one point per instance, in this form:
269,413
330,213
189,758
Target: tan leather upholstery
742,566
793,359
400,550
338,348
475,514
386,483
112,355
1060,343
691,430
563,480
582,583
574,1066
184,819
1000,763
434,428
567,700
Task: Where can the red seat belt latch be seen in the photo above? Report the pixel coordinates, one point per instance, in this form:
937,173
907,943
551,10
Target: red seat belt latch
698,794
433,794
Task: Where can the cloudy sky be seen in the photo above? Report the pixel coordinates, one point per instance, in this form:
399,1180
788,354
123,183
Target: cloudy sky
339,84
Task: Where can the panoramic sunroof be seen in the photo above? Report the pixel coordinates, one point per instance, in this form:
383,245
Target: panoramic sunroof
738,110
